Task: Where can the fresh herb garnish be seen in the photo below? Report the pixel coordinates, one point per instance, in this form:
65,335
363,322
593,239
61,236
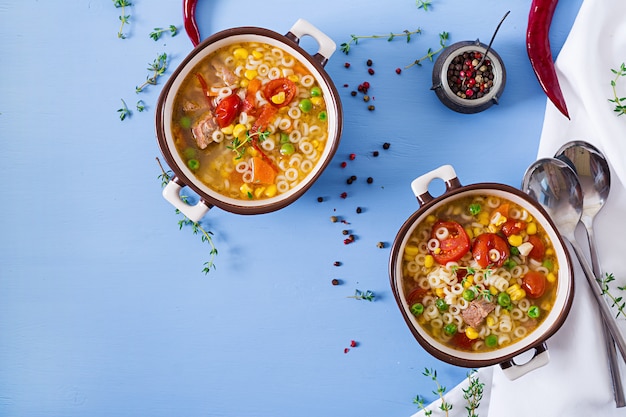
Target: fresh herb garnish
158,32
354,39
238,146
443,38
473,394
123,111
196,227
440,391
616,301
124,18
423,4
360,295
141,106
158,67
620,106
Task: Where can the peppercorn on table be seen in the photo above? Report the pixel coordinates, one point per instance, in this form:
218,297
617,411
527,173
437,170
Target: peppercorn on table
113,304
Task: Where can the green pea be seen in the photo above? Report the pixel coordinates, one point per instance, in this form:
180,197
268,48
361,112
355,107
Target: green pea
548,264
491,340
316,91
504,299
474,209
441,304
450,329
322,116
469,295
509,263
417,309
284,138
189,153
534,312
305,105
193,164
287,149
514,250
185,122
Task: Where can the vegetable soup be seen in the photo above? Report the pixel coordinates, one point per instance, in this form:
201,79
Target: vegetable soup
250,121
479,273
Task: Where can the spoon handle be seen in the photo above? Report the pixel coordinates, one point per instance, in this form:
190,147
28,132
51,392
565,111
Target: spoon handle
607,317
618,388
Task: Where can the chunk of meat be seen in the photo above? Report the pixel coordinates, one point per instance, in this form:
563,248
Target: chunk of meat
190,106
225,74
203,130
476,312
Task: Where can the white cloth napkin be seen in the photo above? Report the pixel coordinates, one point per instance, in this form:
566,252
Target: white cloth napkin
576,382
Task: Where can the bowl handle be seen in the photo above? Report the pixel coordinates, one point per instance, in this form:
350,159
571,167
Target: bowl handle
513,371
420,184
171,193
326,45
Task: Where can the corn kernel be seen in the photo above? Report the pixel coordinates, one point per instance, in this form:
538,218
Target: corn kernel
492,228
493,290
411,250
258,191
549,251
471,333
516,292
515,240
431,218
228,130
279,98
437,251
429,261
498,219
293,78
244,83
469,232
531,229
257,54
239,129
250,74
270,190
490,320
477,231
546,306
251,151
468,281
245,189
551,277
483,218
317,101
240,53
439,292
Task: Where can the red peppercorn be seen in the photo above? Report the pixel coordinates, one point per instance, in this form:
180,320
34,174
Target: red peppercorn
352,156
346,350
347,65
344,164
469,92
353,343
366,84
398,70
343,195
371,71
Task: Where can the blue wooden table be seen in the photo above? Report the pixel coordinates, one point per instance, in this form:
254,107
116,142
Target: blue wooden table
104,309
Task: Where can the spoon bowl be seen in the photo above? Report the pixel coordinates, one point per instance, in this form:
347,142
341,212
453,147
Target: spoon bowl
554,184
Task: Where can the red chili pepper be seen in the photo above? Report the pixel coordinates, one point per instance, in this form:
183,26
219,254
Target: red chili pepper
539,52
189,19
205,88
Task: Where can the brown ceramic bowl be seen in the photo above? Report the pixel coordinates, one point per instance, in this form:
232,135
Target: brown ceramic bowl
534,340
184,176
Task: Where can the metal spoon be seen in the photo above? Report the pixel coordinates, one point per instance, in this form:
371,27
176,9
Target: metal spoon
594,175
553,183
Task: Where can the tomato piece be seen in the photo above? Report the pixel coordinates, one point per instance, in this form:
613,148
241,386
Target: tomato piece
454,246
416,296
513,227
227,110
267,113
462,341
534,283
490,249
249,103
274,88
539,249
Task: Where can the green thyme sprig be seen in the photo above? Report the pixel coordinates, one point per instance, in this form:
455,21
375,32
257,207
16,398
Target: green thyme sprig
141,106
124,18
616,301
239,146
473,394
440,391
443,38
423,4
205,235
158,32
123,111
360,295
354,39
158,68
620,106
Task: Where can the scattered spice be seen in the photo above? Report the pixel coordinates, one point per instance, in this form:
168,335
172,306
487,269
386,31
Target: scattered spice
347,65
369,63
353,343
335,281
371,71
371,107
345,232
386,145
337,263
359,210
375,154
320,199
334,219
398,70
366,98
370,180
380,245
352,156
346,350
343,195
344,164
353,93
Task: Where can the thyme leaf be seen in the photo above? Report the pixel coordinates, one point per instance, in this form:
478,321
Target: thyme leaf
423,4
617,301
158,68
124,18
158,32
620,102
360,295
443,38
123,111
354,39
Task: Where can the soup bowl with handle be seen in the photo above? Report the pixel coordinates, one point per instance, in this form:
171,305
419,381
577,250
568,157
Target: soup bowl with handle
185,176
532,344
